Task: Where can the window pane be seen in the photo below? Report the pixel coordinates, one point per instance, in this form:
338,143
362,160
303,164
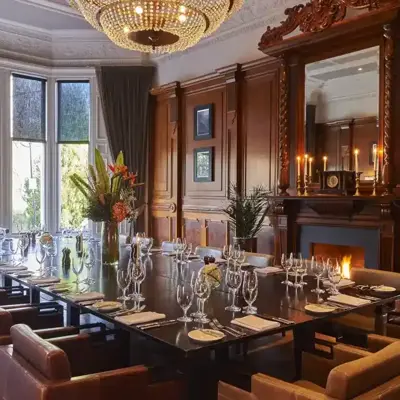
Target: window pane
73,158
73,111
27,185
28,108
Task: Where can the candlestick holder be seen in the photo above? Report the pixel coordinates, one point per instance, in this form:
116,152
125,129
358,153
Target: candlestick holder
374,184
298,185
306,177
358,176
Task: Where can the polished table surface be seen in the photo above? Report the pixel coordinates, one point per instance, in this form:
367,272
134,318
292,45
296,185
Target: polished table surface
159,290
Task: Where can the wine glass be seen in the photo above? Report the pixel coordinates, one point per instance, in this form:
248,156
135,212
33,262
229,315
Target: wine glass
2,238
302,269
89,263
40,255
233,280
334,274
184,296
318,269
202,290
23,245
123,281
298,266
186,253
138,271
51,250
77,269
241,257
250,291
198,313
227,253
286,264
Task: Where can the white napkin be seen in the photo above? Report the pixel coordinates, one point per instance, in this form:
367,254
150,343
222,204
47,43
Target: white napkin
268,270
342,284
220,261
255,323
86,296
348,300
140,318
42,281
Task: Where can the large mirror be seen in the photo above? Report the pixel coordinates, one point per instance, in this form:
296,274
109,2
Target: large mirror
342,113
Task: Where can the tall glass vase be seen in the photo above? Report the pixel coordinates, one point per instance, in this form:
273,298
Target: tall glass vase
110,243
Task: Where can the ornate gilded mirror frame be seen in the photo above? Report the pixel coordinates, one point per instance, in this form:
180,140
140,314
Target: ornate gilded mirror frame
325,30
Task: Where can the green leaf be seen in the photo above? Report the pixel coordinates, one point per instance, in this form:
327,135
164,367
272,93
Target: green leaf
81,185
102,176
120,159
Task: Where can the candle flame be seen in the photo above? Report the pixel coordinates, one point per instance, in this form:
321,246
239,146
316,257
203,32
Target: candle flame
306,156
325,158
346,265
298,158
356,152
311,159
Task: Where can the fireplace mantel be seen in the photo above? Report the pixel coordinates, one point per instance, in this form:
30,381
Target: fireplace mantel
291,213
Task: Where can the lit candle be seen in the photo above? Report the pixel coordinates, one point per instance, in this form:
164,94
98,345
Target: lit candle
325,158
305,166
310,160
356,153
380,155
375,151
298,166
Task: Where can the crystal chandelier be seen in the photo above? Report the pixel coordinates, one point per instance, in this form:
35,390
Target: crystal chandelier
156,26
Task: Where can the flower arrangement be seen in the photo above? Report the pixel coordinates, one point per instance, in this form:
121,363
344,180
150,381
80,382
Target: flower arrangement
110,196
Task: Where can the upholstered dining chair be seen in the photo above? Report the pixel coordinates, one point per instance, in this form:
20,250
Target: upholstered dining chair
37,316
260,260
14,295
36,369
352,373
204,251
167,247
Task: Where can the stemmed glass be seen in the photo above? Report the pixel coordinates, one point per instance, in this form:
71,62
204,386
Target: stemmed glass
318,269
286,264
241,257
40,255
186,253
202,289
227,253
233,280
235,253
184,296
51,250
124,278
2,237
23,244
196,314
89,263
250,291
138,271
334,274
302,270
298,266
77,269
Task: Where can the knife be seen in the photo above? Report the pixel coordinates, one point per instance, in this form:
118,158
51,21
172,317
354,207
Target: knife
276,319
367,297
156,324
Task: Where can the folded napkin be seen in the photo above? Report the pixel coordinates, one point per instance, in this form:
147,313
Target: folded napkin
140,318
42,281
255,323
342,284
268,270
77,298
348,300
10,269
220,261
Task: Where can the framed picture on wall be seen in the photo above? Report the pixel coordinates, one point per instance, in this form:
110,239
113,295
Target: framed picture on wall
203,168
203,122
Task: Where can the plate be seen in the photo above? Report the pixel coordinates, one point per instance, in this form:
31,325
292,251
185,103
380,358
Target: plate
384,289
107,306
206,335
319,308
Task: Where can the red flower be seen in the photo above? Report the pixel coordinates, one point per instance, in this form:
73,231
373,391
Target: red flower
130,176
118,169
119,211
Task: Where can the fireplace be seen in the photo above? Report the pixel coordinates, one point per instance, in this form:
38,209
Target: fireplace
359,243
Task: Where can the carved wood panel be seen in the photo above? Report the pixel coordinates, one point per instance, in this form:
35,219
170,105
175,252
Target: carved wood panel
192,231
216,233
161,229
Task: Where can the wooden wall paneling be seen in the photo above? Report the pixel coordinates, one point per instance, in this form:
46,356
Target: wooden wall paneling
193,231
217,233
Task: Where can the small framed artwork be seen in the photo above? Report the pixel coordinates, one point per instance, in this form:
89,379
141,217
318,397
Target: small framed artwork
203,168
203,122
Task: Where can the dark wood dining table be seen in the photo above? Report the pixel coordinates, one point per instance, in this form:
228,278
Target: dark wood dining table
159,289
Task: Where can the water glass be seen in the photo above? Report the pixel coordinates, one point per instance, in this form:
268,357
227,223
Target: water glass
202,289
198,313
227,253
250,291
51,250
123,281
233,280
334,274
298,266
184,296
40,255
77,268
138,271
2,238
286,264
90,260
318,269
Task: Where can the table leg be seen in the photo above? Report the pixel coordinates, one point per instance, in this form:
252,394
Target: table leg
303,338
34,295
73,315
380,320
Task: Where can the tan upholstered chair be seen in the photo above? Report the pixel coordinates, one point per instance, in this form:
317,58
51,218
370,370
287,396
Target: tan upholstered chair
203,251
364,320
41,316
260,260
351,374
36,369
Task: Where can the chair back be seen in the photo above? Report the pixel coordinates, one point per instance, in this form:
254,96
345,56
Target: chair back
203,251
260,260
365,276
167,247
376,375
6,322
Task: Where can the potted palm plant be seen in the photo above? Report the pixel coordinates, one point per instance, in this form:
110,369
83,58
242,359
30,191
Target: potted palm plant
246,214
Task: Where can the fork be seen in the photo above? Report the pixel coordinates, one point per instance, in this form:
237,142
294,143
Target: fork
227,328
213,326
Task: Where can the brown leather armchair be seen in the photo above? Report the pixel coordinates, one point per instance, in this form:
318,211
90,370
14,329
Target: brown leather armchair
352,373
14,295
36,369
38,316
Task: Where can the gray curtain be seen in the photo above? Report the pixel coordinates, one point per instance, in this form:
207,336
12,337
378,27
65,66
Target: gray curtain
128,110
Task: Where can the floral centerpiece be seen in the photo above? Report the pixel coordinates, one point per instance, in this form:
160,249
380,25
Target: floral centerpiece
110,199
